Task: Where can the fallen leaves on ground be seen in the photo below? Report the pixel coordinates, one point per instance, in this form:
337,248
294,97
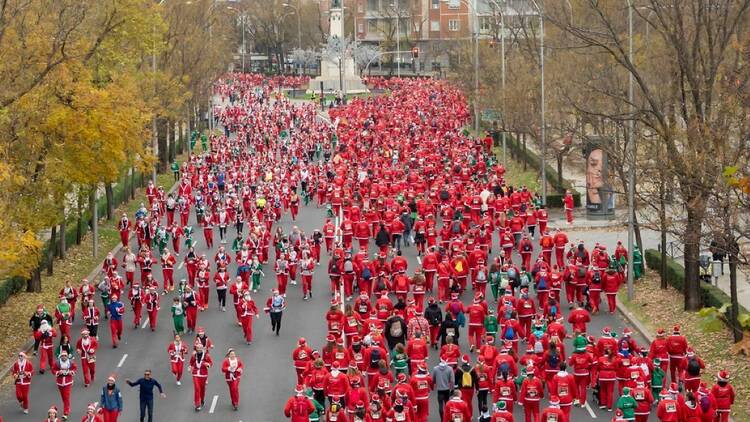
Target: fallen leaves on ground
658,308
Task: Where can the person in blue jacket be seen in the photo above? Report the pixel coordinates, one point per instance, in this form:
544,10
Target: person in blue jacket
116,310
111,400
146,394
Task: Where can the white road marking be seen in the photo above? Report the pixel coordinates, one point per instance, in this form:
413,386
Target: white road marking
145,323
213,404
591,411
125,356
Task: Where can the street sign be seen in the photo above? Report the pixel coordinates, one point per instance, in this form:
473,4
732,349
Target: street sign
490,115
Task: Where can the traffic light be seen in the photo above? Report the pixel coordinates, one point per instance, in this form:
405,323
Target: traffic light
415,52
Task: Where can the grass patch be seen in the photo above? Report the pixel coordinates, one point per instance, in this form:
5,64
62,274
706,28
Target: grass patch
78,263
657,308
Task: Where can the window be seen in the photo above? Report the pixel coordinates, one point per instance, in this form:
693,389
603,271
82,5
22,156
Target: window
436,4
453,25
485,24
360,27
435,26
360,7
372,26
454,4
372,5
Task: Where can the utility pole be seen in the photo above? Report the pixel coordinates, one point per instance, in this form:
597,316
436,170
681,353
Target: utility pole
475,24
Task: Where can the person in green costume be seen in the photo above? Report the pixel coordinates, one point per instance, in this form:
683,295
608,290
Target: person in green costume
491,324
256,272
637,263
657,379
175,170
627,404
319,408
178,315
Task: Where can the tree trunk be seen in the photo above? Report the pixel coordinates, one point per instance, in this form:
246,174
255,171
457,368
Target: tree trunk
559,171
34,284
735,308
51,251
163,147
63,233
79,228
693,300
132,183
181,144
523,135
110,200
171,140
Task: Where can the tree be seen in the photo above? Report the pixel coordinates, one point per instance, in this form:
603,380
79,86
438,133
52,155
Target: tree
681,104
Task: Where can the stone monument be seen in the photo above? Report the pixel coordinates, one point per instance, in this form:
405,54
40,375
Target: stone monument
331,77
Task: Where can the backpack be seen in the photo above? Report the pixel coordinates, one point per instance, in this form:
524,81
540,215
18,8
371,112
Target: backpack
375,358
512,273
456,227
396,329
366,273
380,285
597,278
705,403
526,247
348,266
553,310
466,381
693,367
542,285
510,333
581,272
461,319
553,360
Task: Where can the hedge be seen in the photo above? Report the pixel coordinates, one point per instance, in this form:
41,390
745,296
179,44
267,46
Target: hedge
710,294
9,287
554,200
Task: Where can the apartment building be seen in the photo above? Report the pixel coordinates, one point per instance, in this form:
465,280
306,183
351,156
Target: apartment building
433,26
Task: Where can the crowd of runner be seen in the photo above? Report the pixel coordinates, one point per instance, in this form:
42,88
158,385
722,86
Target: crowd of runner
394,172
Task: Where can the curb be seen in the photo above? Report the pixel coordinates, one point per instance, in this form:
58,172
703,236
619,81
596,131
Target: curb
30,344
635,322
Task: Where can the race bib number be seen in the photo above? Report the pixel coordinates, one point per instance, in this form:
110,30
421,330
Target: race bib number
505,391
563,390
532,392
91,359
527,305
551,417
671,407
339,356
352,322
639,395
302,355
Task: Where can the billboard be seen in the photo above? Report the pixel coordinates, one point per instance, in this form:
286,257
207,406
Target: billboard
598,187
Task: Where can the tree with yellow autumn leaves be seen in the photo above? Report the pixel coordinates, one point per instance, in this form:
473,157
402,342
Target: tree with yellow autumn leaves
79,92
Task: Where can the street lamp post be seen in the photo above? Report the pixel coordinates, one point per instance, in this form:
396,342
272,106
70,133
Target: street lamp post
243,18
398,37
632,150
543,114
299,23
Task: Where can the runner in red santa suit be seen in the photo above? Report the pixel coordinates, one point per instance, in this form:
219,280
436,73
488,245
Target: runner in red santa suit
64,370
177,351
200,362
677,348
299,407
249,309
22,371
301,356
86,348
456,410
232,368
723,393
553,413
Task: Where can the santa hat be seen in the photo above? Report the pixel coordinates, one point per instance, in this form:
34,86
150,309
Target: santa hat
334,302
401,377
52,409
626,332
580,343
723,376
340,341
356,339
299,390
355,380
431,300
607,332
673,389
676,329
554,401
360,404
201,330
660,332
664,393
465,359
690,352
301,341
335,365
330,338
500,404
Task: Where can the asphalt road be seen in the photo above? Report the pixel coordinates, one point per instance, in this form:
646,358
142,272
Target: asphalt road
269,377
